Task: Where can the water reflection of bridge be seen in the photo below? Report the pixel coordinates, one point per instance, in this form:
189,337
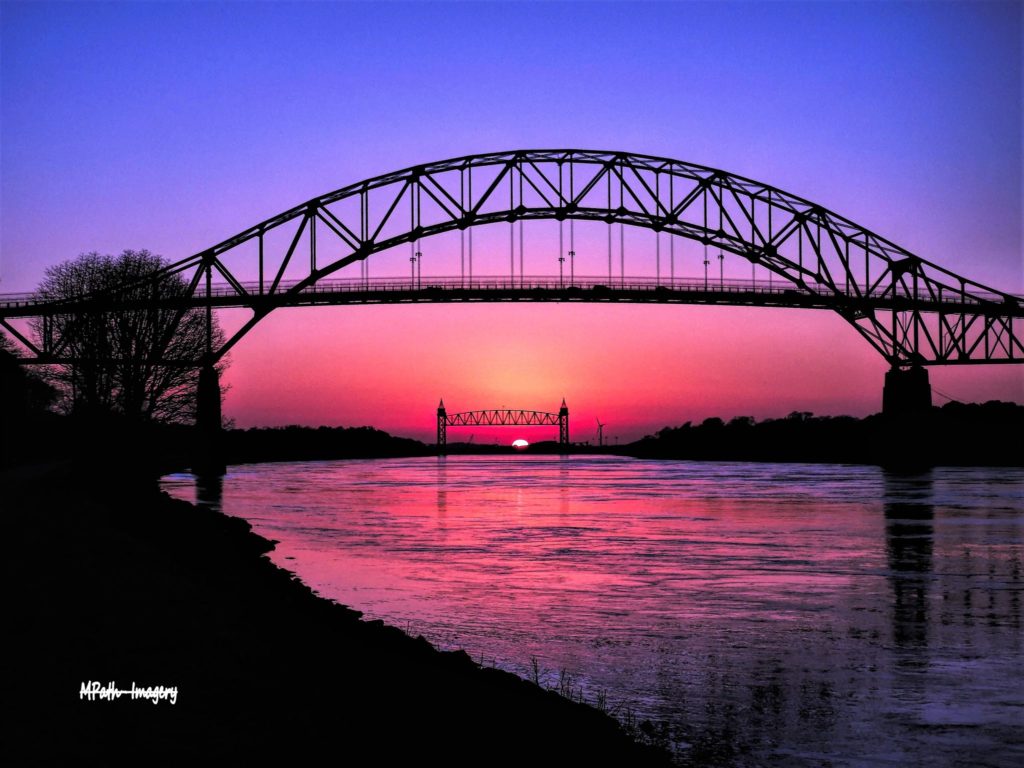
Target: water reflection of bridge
909,542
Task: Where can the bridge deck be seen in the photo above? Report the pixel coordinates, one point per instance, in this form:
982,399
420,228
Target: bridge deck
506,289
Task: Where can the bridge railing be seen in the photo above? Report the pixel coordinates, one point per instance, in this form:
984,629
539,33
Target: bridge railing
390,285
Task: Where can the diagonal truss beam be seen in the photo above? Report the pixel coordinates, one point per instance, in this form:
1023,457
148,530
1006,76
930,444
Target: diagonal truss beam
911,310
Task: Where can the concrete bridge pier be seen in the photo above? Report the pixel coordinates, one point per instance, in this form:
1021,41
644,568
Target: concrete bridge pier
907,392
208,450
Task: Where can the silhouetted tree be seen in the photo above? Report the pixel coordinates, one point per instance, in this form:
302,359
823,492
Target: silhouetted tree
741,422
120,364
800,416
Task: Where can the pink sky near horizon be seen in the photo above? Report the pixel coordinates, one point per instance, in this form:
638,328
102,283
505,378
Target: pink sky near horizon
636,367
172,126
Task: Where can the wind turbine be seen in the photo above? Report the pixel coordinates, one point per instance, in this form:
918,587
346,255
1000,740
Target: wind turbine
600,432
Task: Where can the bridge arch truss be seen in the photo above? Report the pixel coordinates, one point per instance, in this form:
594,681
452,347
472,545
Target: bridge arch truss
912,311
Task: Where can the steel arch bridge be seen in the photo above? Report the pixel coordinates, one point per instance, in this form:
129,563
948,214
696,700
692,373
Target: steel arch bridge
912,311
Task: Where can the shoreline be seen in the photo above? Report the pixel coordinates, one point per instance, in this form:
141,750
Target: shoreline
624,455
129,587
955,434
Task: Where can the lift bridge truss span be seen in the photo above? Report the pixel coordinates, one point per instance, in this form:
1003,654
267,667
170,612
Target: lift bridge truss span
502,417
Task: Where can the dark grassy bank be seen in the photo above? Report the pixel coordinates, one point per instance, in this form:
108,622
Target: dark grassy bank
114,581
986,434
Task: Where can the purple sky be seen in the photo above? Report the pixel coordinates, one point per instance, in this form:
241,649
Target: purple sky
171,126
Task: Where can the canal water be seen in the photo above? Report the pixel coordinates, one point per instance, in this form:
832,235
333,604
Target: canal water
756,614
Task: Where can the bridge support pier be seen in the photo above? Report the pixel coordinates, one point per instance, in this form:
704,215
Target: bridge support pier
907,392
208,452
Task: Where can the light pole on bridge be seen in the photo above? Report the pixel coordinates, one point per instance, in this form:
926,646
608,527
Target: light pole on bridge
572,252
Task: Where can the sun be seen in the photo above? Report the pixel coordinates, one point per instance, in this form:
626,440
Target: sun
520,444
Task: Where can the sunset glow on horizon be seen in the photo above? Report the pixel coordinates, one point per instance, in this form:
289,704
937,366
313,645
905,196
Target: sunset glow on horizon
904,118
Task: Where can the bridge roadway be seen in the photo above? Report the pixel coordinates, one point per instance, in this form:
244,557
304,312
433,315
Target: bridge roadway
731,292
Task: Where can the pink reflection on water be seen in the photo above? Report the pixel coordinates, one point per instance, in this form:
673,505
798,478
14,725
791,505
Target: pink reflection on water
792,604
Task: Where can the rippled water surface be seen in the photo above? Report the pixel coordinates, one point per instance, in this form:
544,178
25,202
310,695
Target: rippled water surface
765,614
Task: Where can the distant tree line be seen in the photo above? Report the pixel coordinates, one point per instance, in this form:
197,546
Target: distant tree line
294,443
957,433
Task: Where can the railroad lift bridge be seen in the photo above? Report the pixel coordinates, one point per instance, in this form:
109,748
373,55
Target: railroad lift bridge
502,417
